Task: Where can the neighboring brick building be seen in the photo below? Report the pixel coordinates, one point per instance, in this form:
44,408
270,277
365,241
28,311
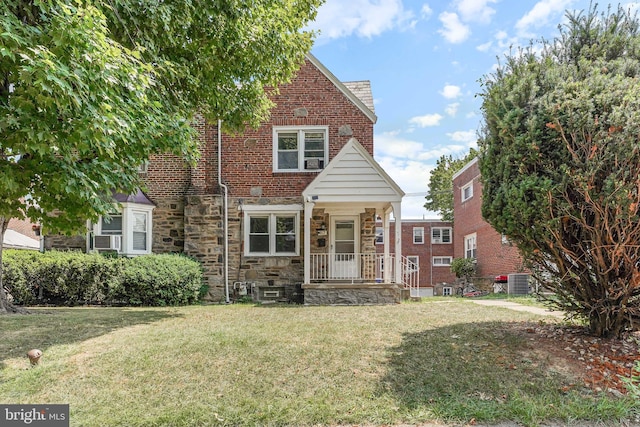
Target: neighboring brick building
292,202
428,244
21,234
474,237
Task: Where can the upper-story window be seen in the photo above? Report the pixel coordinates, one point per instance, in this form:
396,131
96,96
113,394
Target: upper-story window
441,235
467,191
418,235
300,149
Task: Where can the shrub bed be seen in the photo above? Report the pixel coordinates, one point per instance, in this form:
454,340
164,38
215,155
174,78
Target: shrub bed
71,278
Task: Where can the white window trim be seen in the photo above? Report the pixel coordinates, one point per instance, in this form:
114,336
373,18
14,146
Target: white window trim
127,211
415,260
468,238
447,260
277,129
381,237
439,241
414,235
462,190
447,291
272,211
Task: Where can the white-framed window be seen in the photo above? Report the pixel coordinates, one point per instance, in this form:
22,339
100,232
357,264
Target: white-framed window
418,235
470,245
127,231
467,191
441,235
441,261
298,149
414,262
272,230
379,235
447,291
111,224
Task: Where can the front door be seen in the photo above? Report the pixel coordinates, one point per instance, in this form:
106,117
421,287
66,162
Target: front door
344,247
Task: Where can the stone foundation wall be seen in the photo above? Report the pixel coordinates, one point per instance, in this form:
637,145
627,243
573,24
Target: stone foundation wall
365,294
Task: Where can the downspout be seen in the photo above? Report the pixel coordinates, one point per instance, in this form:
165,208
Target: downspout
225,221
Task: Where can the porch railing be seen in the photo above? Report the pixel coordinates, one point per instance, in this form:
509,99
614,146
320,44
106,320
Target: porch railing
364,268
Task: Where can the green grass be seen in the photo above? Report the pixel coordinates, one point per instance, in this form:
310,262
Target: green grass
444,360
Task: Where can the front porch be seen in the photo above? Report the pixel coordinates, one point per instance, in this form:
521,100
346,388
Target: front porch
341,206
351,279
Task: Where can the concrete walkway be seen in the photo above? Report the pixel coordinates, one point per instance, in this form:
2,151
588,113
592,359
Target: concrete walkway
518,307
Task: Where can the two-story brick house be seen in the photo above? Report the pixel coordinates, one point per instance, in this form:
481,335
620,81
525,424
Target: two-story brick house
473,236
294,201
428,246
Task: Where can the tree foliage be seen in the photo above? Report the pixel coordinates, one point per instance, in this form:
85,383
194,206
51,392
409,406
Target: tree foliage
440,195
560,164
89,89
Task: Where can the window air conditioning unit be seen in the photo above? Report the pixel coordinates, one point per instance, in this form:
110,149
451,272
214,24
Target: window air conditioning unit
104,242
313,164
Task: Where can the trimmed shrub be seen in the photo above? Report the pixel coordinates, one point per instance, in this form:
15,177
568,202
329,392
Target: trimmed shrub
161,280
70,278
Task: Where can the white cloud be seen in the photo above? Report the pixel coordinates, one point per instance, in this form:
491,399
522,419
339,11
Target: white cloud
540,15
454,31
476,10
426,11
452,109
484,47
364,18
468,137
427,120
451,91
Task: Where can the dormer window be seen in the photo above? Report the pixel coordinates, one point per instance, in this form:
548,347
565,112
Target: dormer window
300,149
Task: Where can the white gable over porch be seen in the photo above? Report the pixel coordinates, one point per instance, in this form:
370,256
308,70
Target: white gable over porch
352,182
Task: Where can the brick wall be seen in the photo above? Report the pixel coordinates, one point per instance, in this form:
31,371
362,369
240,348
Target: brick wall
494,256
429,275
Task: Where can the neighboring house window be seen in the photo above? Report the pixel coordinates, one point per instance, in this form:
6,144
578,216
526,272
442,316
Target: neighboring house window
414,262
470,246
467,191
446,291
440,261
379,235
418,235
272,230
299,149
441,235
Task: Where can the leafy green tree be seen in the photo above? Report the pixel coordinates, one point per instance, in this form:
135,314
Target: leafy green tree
89,89
440,195
560,165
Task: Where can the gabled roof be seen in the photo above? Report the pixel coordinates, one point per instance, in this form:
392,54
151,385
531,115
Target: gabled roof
346,91
353,176
15,240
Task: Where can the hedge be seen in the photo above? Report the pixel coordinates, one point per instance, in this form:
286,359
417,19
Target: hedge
71,278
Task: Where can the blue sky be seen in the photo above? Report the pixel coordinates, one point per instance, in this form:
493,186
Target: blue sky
424,60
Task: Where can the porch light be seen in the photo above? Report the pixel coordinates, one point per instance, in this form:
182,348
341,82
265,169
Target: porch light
322,230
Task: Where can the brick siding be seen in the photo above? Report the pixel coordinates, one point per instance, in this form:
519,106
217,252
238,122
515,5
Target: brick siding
494,256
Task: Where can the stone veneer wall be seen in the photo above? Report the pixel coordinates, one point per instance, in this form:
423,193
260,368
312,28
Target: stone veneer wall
168,226
357,294
278,270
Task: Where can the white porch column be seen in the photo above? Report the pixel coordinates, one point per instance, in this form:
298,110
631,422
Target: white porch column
386,216
308,213
397,214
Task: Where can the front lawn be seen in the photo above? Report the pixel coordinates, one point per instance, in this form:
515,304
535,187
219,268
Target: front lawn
443,360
